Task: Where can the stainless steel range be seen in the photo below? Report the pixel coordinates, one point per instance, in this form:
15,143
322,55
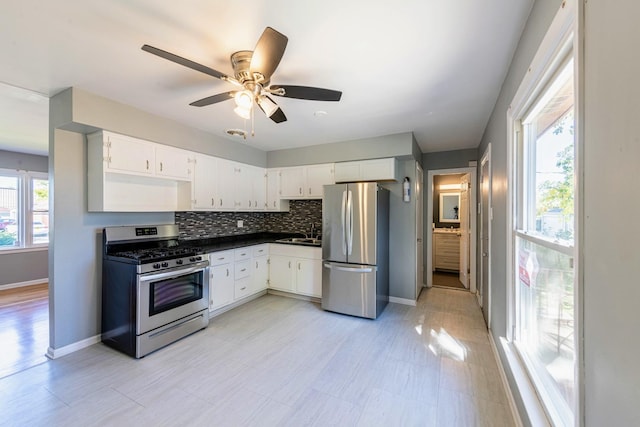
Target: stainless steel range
154,291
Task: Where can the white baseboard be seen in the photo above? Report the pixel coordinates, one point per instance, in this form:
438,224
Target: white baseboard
404,301
503,376
23,284
54,353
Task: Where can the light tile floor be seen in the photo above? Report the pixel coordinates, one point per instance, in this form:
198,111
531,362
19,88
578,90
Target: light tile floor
282,362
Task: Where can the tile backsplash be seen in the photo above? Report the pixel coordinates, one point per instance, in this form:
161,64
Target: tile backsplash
199,225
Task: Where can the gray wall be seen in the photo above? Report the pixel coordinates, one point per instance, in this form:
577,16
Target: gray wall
397,145
539,20
22,161
611,151
23,266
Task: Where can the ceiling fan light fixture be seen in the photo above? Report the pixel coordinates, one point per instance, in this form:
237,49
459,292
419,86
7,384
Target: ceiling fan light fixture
244,99
245,113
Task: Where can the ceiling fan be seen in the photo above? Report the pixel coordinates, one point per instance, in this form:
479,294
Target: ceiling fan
252,75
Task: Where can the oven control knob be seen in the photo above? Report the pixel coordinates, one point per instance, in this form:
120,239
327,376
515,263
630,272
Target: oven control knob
179,261
192,259
156,265
199,258
165,264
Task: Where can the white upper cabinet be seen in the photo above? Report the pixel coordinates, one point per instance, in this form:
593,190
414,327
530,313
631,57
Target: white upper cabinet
305,182
292,182
126,154
273,201
317,176
172,162
205,182
367,170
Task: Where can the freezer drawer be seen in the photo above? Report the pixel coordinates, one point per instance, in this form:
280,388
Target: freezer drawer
350,289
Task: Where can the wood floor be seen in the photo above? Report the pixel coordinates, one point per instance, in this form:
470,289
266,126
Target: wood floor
279,361
24,328
447,280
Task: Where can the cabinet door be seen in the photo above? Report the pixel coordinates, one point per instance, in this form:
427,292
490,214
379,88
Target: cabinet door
259,274
309,277
281,273
129,154
347,172
292,183
204,182
317,177
172,162
226,197
221,286
378,169
256,188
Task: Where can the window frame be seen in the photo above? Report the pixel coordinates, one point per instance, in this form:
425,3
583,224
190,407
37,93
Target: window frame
561,43
25,210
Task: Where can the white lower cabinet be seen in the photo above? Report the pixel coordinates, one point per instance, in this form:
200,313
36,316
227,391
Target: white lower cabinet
221,279
237,273
296,269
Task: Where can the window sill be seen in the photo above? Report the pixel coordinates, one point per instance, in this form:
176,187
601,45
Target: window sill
532,405
38,248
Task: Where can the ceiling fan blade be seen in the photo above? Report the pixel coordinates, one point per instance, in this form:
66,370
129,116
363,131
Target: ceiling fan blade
306,92
213,99
184,61
278,116
268,53
271,109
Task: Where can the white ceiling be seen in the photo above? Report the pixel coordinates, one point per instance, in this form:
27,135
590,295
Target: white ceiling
430,67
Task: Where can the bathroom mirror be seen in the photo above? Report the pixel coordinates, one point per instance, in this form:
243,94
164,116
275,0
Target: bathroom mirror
449,207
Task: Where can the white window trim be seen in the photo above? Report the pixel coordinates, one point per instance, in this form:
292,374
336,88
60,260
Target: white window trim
562,37
25,204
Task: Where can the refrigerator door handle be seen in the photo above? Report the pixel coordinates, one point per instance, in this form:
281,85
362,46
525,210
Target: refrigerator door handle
349,269
343,219
350,222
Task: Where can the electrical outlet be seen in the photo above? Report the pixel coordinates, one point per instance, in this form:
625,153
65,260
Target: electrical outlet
240,223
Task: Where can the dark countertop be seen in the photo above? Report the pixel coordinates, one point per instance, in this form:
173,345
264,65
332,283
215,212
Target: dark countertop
216,244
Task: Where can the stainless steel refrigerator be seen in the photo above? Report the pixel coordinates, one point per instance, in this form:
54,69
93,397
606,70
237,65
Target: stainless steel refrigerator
355,249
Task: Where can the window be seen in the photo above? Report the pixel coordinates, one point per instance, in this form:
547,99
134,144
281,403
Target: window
544,233
24,209
543,280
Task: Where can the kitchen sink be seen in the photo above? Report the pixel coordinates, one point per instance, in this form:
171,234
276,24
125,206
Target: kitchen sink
301,241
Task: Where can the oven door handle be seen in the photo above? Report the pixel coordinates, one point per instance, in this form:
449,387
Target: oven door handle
172,274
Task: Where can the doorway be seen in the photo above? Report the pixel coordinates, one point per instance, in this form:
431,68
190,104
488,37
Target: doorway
419,231
458,225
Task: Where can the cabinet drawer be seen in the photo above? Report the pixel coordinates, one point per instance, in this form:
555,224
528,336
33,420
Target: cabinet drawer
260,250
222,257
242,269
242,253
242,288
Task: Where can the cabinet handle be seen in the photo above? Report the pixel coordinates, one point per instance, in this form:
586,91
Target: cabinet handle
298,266
274,203
147,164
289,264
242,289
220,202
160,166
212,202
220,259
309,190
300,191
227,272
256,265
255,203
243,270
249,203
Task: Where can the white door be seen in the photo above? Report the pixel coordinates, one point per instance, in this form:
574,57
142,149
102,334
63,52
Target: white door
419,230
485,235
464,230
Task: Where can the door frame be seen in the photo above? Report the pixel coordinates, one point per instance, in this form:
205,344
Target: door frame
486,158
473,215
419,195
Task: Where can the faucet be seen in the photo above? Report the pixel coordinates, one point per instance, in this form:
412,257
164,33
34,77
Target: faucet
313,230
